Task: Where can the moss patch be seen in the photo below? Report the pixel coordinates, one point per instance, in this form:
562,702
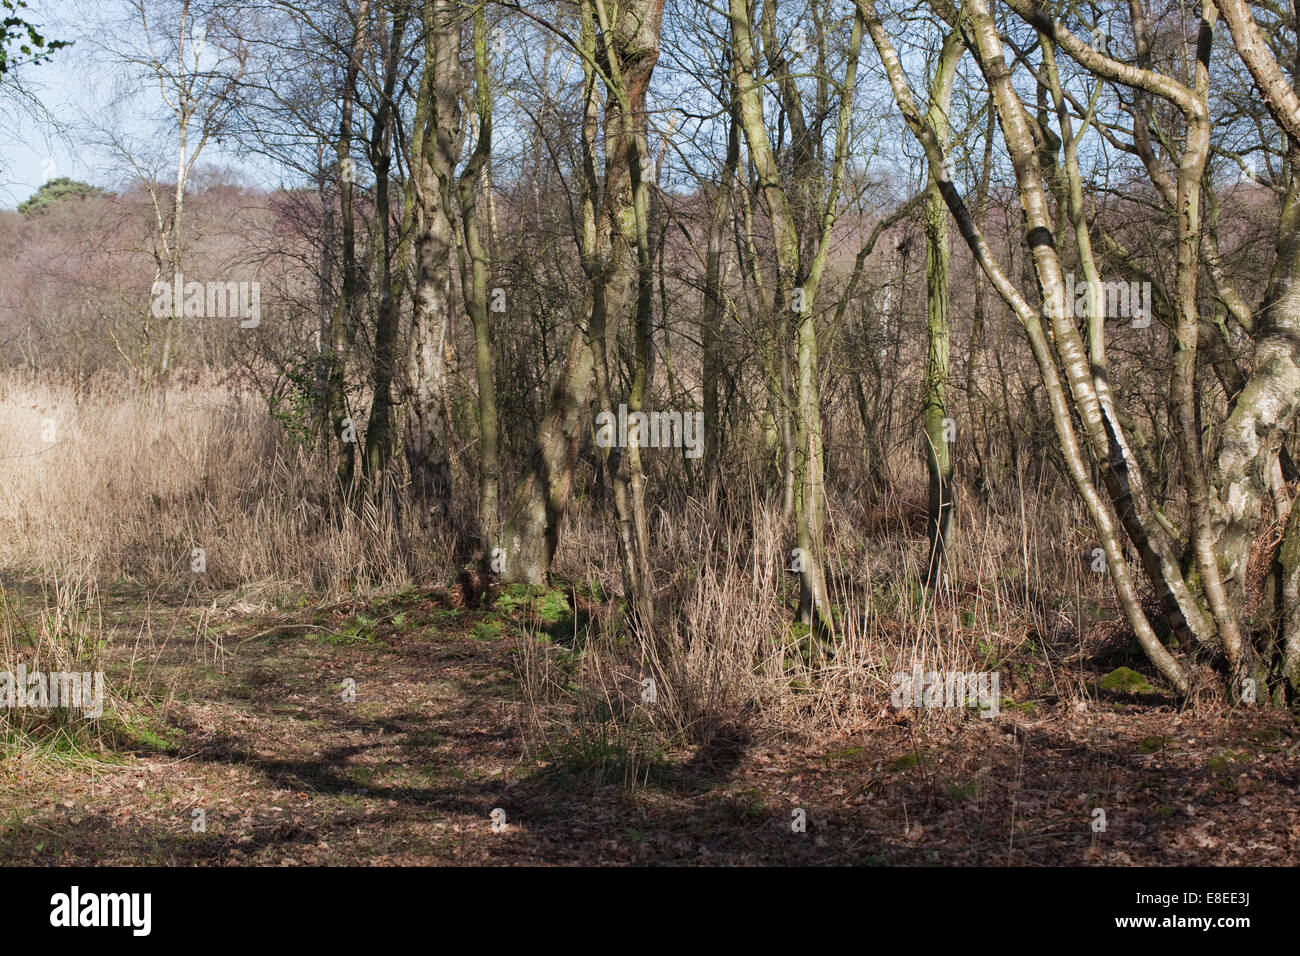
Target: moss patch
1125,680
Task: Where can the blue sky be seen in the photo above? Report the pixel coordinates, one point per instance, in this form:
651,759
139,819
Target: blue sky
28,145
73,88
76,87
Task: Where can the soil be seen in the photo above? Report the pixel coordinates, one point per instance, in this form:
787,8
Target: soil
250,726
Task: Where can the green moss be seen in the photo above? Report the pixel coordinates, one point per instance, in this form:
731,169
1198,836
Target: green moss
146,733
847,755
1125,680
1150,745
1221,763
359,630
970,791
905,762
798,645
514,596
552,607
1221,767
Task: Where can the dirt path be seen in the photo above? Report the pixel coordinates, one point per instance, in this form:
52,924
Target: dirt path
288,772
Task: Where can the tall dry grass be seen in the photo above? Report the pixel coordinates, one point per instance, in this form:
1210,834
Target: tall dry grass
132,484
728,662
60,632
101,483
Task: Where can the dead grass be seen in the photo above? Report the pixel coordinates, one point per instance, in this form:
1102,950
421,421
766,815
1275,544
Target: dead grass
730,664
132,485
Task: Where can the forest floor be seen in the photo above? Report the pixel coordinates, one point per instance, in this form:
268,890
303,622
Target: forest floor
244,719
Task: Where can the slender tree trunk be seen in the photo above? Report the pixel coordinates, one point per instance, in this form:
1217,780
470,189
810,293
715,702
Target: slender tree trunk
713,295
428,450
381,427
346,316
630,49
938,455
474,283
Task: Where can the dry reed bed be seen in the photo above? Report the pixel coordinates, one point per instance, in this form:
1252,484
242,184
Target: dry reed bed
132,484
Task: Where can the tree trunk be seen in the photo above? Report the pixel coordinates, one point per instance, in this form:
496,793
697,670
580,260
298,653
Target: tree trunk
428,448
938,457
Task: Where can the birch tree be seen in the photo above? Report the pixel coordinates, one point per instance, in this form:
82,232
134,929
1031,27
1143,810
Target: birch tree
1203,573
798,270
